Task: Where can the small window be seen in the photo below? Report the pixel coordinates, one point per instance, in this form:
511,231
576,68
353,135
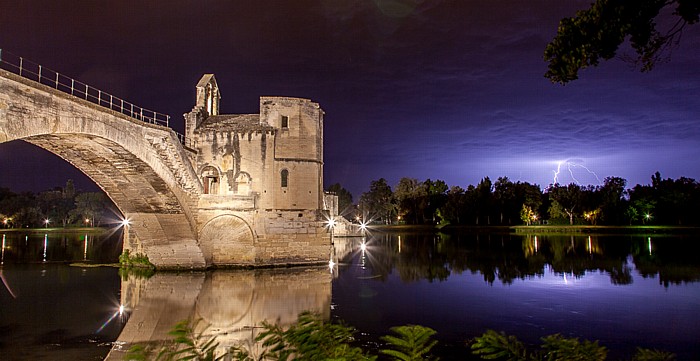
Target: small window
285,121
284,178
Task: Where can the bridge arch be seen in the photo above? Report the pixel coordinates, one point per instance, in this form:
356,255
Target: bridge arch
142,167
227,240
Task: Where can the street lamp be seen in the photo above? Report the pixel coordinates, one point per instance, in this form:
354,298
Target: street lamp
331,224
46,223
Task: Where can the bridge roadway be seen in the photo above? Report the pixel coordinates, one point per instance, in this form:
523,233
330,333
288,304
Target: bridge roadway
141,167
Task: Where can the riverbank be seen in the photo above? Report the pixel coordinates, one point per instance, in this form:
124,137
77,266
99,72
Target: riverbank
538,229
56,230
607,230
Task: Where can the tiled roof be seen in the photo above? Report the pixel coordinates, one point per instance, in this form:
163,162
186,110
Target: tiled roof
234,122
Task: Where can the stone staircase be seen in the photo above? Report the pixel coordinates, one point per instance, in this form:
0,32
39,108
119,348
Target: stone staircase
173,156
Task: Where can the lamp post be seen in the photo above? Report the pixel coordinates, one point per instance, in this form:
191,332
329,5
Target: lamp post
125,224
331,225
46,223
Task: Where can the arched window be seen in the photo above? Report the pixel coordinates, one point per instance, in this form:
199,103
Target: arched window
210,180
210,100
284,178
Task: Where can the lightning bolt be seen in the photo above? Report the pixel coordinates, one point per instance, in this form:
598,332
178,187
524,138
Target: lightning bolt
556,173
588,170
570,165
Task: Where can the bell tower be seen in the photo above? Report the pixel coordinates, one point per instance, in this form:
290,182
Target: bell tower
208,97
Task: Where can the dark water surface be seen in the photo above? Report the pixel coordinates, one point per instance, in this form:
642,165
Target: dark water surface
50,310
625,291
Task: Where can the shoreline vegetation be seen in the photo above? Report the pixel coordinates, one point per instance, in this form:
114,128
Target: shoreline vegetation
546,229
520,229
57,229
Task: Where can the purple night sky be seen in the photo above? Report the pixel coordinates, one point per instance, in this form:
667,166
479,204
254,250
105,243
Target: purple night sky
450,90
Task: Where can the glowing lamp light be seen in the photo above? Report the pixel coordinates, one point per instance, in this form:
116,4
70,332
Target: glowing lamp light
363,246
125,222
46,222
331,222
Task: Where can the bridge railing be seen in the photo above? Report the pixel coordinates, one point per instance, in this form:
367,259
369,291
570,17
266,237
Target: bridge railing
33,71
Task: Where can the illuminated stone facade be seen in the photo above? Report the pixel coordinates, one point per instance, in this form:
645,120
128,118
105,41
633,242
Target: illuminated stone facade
247,191
262,180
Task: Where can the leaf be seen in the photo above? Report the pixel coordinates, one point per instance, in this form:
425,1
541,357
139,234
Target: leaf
644,354
558,347
412,343
493,345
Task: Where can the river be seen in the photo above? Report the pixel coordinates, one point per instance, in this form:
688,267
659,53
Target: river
624,291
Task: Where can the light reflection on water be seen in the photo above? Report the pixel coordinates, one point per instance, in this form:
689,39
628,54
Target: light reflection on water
230,305
599,288
624,291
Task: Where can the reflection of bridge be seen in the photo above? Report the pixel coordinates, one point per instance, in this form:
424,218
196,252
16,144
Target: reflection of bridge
230,304
217,202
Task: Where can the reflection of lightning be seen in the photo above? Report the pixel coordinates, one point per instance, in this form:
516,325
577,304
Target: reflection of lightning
570,164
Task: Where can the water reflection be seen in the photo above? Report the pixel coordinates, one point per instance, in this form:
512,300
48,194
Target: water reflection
594,287
230,304
60,246
515,257
626,291
51,311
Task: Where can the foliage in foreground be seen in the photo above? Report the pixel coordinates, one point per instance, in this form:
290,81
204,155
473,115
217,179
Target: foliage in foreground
411,343
493,345
185,345
311,338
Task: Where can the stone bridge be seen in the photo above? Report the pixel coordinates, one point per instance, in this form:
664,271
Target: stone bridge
157,183
142,167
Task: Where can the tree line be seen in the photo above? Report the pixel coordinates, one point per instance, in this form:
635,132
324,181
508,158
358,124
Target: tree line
504,202
61,206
